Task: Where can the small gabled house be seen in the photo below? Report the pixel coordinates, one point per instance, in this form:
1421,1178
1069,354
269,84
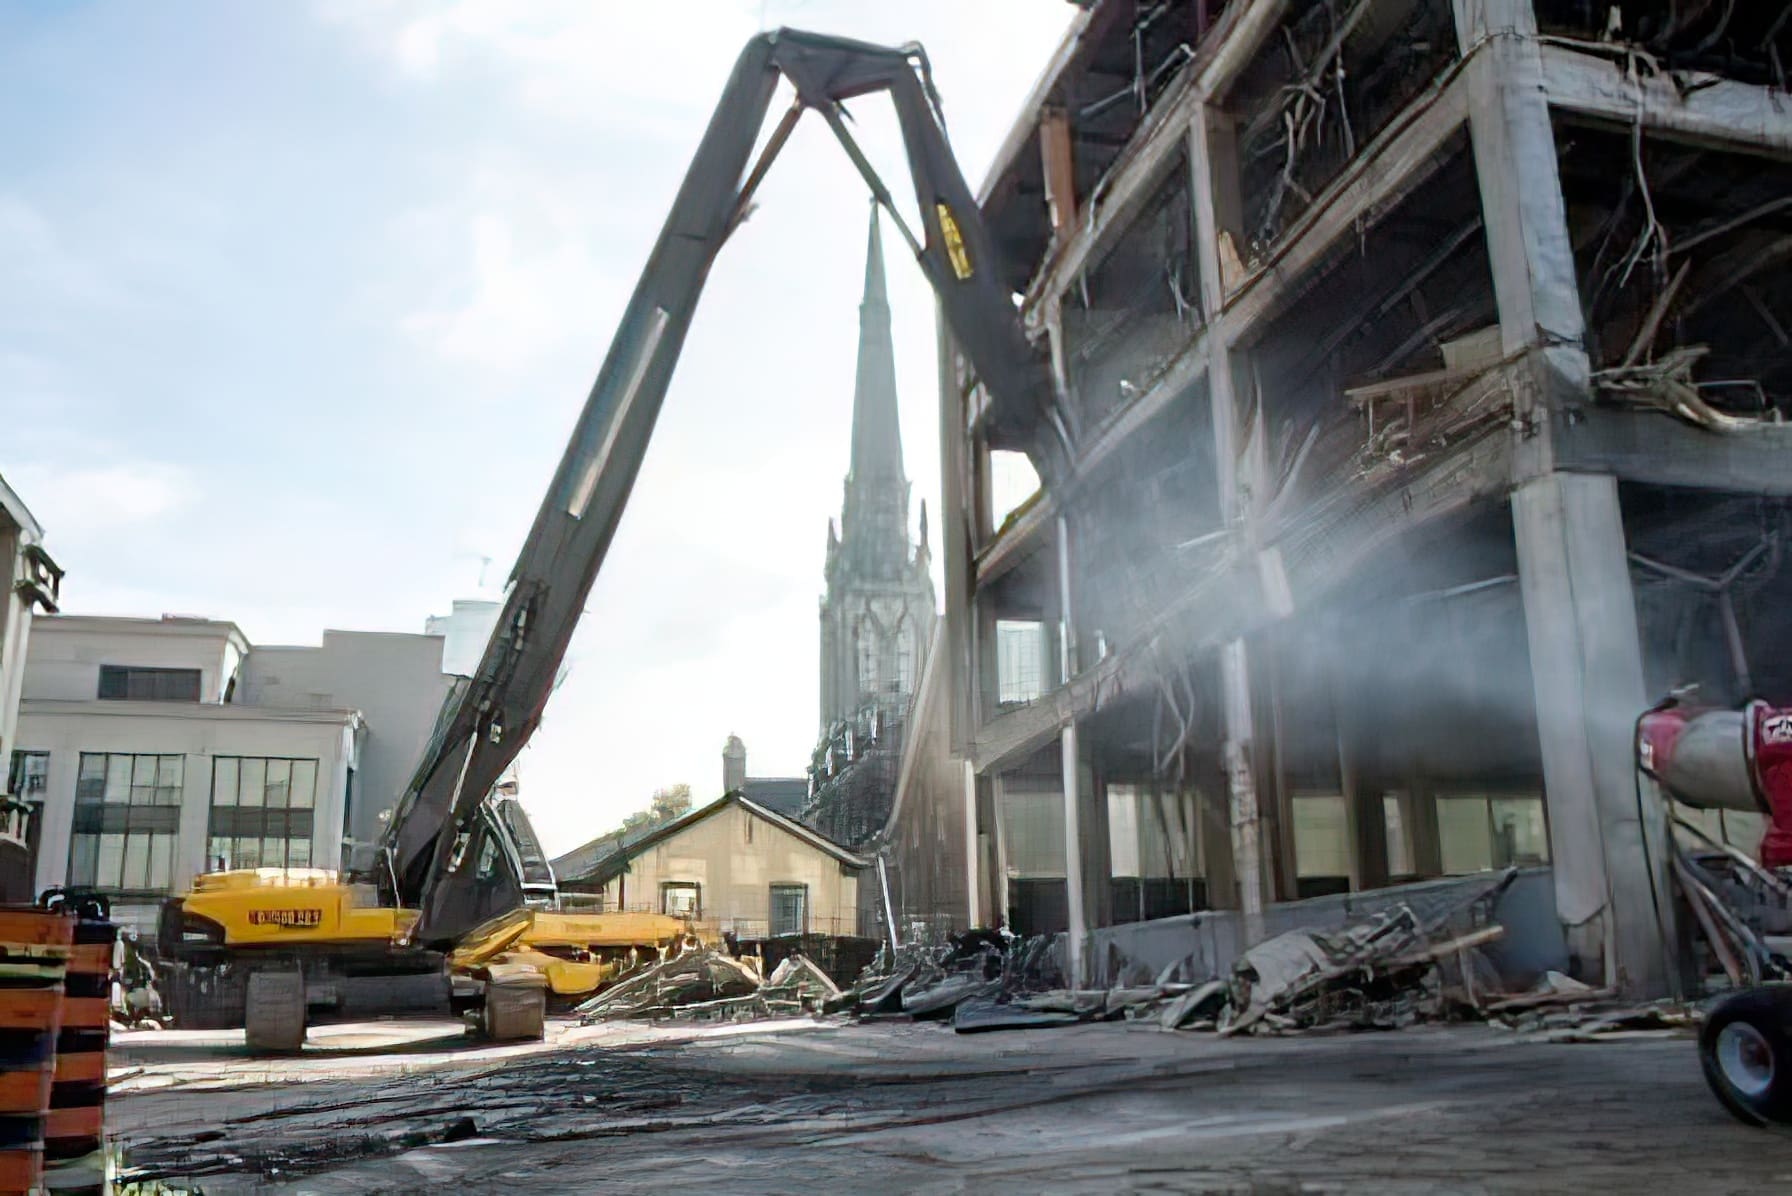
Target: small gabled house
733,867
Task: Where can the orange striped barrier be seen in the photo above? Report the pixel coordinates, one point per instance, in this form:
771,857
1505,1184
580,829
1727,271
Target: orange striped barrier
75,1123
34,955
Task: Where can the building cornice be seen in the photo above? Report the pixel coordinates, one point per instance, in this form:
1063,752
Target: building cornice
201,711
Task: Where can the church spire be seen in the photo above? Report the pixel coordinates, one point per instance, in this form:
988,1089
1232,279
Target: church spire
876,435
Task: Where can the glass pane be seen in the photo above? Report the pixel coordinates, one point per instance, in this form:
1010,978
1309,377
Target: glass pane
1123,830
171,774
161,861
273,852
1321,835
1020,660
110,868
118,779
217,855
1393,814
224,775
298,853
1189,860
90,782
1033,821
1465,840
304,784
143,780
248,854
1519,834
83,859
254,782
279,781
136,861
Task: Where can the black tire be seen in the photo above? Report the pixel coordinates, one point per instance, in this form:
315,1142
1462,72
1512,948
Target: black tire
1745,1049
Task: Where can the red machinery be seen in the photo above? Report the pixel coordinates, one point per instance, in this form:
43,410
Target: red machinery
1736,760
1725,759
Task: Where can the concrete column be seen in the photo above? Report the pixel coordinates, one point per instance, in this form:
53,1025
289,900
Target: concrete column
1073,854
56,825
973,860
1213,170
1529,248
996,799
195,820
960,500
1606,838
1241,782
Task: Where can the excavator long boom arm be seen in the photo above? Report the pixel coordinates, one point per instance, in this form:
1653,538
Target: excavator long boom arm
439,846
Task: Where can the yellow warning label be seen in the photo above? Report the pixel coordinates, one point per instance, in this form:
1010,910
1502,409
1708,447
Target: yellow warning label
954,241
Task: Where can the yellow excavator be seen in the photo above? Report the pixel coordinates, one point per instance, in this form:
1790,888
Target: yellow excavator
459,907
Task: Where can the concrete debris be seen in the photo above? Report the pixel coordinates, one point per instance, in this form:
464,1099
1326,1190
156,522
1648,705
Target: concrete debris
933,979
1198,1008
1668,384
711,985
1595,1017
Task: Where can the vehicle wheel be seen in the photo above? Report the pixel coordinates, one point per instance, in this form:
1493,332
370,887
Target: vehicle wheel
1746,1051
274,1012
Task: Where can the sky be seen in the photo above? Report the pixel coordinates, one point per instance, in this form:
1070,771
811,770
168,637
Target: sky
299,302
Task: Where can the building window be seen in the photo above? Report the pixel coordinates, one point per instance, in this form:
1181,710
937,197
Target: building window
789,910
868,639
1033,827
1476,833
29,775
681,899
129,683
1020,660
261,813
127,814
1321,844
905,658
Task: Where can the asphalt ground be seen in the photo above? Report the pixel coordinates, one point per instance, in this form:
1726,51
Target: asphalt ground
914,1107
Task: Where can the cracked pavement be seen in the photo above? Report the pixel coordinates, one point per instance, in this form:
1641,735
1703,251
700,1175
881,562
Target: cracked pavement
880,1107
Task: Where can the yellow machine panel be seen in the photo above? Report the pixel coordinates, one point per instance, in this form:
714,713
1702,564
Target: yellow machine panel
280,906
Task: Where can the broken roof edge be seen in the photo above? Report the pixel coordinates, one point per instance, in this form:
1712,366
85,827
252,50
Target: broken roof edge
1020,130
608,867
16,510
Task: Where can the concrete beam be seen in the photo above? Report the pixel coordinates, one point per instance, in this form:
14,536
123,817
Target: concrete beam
1227,50
1715,112
1661,450
1389,168
1017,540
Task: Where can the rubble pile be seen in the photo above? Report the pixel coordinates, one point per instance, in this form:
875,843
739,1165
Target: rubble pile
1382,971
963,978
711,985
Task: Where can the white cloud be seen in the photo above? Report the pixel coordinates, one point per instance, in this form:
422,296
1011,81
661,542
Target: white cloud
514,300
38,261
85,501
601,64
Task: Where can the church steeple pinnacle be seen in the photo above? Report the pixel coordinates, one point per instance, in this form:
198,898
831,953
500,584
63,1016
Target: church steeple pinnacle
876,434
877,615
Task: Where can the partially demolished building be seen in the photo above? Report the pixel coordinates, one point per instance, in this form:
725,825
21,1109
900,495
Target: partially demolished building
1420,371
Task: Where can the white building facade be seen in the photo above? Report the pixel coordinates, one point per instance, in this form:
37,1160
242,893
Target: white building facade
163,748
